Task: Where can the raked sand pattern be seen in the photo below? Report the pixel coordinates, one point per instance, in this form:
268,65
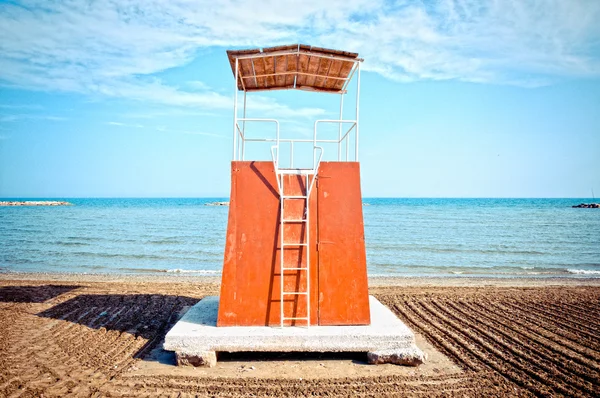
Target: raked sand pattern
103,339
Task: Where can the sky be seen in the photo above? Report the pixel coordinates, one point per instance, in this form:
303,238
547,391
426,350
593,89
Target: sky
459,98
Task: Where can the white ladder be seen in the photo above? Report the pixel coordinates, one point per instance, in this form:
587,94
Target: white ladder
309,176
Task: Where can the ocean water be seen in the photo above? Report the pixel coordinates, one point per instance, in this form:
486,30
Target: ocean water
404,237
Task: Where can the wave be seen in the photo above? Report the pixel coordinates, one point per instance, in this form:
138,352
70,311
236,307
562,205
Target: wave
165,241
131,256
162,270
583,272
500,271
376,248
63,243
190,271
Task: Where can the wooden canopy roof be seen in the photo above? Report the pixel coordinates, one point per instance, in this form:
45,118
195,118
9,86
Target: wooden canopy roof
296,66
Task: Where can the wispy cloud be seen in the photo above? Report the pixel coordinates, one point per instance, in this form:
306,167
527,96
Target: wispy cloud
266,105
115,47
164,129
198,85
205,134
14,118
525,42
169,112
21,106
139,126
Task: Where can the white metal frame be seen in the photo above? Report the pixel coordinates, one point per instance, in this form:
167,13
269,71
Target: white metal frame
239,139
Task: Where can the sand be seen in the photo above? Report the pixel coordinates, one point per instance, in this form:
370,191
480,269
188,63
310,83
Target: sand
100,335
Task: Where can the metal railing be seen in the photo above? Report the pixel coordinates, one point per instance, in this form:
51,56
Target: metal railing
343,140
239,146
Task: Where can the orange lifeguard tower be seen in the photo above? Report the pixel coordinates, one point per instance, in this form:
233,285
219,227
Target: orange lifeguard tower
295,251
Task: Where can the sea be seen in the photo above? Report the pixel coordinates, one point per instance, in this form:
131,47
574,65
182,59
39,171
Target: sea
408,237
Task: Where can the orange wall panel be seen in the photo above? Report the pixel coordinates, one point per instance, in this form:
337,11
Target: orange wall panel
343,284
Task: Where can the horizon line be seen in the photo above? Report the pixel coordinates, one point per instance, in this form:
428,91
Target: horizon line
7,198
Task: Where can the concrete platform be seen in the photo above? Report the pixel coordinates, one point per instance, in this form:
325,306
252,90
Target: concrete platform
196,338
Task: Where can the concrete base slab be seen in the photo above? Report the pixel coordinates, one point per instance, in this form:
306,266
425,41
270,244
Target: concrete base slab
196,337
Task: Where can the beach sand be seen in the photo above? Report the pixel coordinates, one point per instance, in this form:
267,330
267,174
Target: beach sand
101,335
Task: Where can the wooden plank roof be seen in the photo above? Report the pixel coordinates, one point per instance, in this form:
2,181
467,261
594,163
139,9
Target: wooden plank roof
296,66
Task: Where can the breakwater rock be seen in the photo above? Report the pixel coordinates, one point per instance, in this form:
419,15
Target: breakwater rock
587,206
36,203
217,204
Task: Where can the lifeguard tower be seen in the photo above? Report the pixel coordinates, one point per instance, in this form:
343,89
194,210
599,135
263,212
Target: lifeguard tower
294,273
295,250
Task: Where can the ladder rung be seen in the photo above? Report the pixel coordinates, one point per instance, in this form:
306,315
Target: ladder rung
303,317
294,196
294,269
295,244
294,293
295,220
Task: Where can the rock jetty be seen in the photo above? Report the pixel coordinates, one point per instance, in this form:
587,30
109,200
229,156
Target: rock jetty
36,203
217,204
587,206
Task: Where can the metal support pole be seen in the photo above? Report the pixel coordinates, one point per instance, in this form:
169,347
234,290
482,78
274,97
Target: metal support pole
357,111
235,99
340,129
307,247
315,146
281,248
244,129
347,147
277,140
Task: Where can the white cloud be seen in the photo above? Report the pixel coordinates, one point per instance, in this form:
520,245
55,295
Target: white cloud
156,92
264,105
205,134
115,47
525,42
163,129
198,85
14,118
167,111
119,124
21,106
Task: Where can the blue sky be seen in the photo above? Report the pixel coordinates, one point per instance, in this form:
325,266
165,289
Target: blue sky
458,98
